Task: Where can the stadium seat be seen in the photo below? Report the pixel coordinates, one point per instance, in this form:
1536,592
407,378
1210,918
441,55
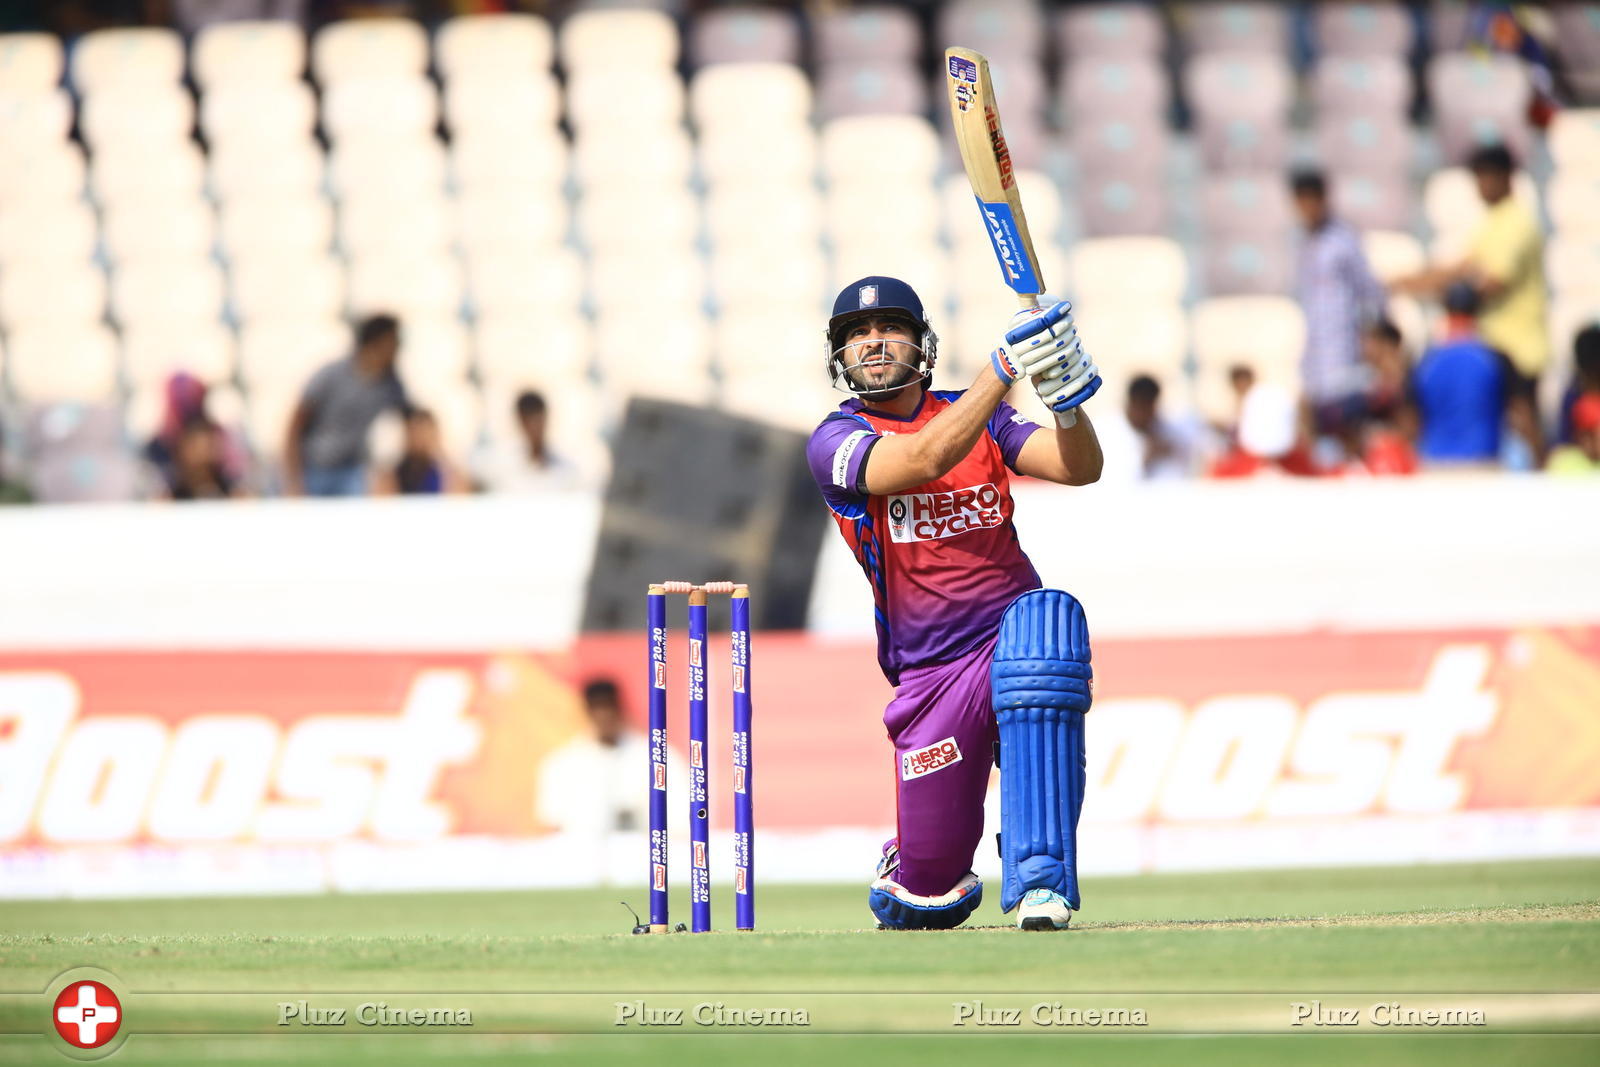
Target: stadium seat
268,112
1228,85
1114,268
434,352
744,33
1574,199
524,279
1266,333
577,417
30,63
533,165
1246,203
279,355
1258,28
1011,29
268,285
248,53
847,89
1135,149
1248,263
127,59
247,170
1382,201
869,211
790,219
514,349
66,291
976,280
369,48
1574,139
1393,254
664,157
900,147
50,360
131,171
410,166
679,346
1098,89
1476,100
513,223
1572,264
54,172
202,347
80,455
275,224
505,108
33,231
779,155
877,33
1129,336
1361,85
751,275
618,100
1366,143
492,47
1449,22
618,39
668,274
377,108
622,217
374,222
153,115
1114,206
166,289
180,226
748,96
782,395
922,263
1110,31
1577,39
425,286
1347,29
33,122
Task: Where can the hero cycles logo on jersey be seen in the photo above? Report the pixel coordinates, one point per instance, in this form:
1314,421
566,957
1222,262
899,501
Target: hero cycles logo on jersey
924,761
934,516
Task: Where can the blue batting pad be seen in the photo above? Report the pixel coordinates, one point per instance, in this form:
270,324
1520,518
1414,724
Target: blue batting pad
1040,685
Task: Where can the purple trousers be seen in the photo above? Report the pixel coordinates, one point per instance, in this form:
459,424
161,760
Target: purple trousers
942,724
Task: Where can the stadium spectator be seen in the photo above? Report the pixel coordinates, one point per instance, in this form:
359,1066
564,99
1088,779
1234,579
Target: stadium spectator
1504,267
1583,455
185,403
1460,388
529,465
591,785
1338,295
1585,378
325,453
423,467
1269,436
196,470
1391,423
1140,444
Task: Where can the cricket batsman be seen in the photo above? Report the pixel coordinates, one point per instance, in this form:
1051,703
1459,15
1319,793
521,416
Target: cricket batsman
982,659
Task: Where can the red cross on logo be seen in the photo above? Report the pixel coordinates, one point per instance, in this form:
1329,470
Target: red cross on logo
87,1014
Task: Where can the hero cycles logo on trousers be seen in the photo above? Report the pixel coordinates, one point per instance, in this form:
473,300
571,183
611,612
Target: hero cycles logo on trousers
934,516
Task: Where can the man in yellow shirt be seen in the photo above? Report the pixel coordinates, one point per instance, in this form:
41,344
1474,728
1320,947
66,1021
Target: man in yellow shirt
1505,264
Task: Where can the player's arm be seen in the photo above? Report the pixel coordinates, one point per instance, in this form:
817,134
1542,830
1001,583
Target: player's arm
900,461
1069,456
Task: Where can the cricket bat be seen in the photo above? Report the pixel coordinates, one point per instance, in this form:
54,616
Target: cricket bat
988,162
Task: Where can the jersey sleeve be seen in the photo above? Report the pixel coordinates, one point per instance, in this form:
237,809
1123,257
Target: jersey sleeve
837,454
1011,430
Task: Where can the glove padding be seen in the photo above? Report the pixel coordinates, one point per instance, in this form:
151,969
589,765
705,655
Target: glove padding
1043,344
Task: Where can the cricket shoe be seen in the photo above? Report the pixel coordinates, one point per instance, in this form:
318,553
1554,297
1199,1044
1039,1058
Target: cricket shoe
1043,909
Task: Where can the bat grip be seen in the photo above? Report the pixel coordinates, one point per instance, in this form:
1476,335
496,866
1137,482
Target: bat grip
1029,300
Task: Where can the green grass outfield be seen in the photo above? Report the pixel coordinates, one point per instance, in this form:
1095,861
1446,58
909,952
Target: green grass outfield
1216,956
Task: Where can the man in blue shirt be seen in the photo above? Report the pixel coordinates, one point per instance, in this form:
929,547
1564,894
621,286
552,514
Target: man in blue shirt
1459,388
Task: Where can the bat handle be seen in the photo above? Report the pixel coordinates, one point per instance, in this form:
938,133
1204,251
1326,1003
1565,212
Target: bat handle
1030,301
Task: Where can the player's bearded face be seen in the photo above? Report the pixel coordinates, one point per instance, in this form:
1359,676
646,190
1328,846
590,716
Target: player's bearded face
881,354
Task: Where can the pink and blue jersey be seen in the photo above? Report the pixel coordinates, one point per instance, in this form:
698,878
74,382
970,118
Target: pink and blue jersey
943,557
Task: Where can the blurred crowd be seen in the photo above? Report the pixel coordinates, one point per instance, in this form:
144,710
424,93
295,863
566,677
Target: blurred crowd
1368,404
